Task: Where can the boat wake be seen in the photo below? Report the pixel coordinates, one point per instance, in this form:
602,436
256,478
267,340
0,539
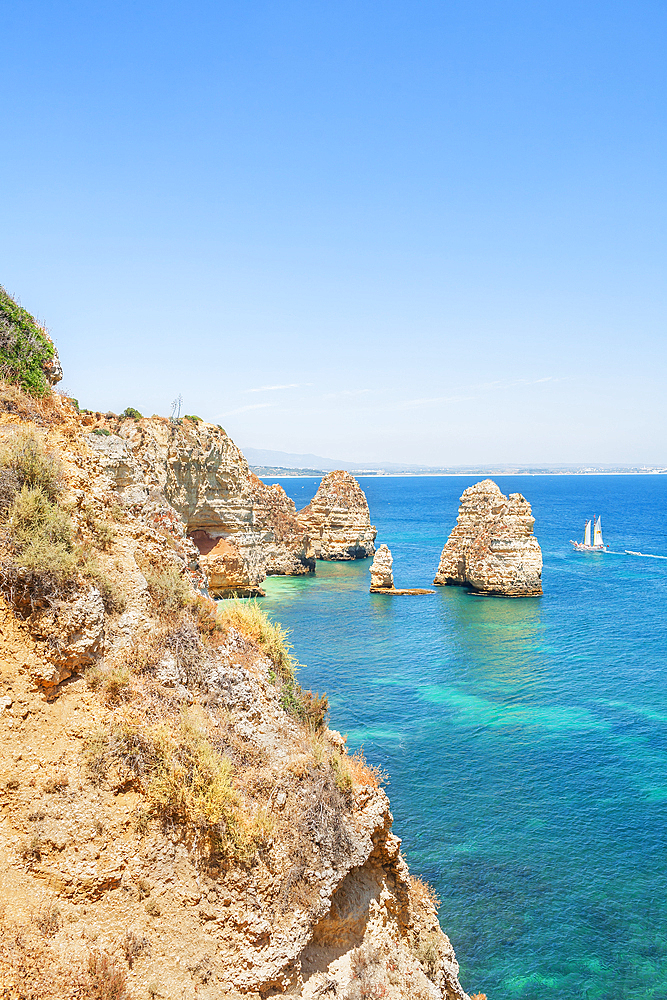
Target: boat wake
644,555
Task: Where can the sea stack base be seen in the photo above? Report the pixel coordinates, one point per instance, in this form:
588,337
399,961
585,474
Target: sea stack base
396,592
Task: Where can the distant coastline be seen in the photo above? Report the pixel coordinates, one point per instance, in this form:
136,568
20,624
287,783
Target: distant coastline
279,473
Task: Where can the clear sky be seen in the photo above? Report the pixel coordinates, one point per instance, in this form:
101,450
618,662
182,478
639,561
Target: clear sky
376,230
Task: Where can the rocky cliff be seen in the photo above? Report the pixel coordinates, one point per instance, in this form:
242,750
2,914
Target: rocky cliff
492,547
177,818
197,469
338,520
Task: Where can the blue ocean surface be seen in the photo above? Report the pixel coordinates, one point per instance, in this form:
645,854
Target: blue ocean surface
525,740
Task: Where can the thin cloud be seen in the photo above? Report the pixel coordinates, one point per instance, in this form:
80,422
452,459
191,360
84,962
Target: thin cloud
271,388
244,409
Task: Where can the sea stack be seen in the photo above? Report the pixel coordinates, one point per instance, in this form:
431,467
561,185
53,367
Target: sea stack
382,576
338,520
492,548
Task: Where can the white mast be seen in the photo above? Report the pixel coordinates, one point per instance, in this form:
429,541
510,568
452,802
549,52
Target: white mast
597,534
587,533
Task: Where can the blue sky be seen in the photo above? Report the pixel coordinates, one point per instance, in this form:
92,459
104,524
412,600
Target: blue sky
420,232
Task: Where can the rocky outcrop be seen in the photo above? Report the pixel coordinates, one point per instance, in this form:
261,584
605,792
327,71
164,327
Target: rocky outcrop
338,519
197,470
382,576
287,547
227,571
492,548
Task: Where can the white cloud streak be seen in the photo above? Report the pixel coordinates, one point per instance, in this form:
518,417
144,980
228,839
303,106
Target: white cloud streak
272,388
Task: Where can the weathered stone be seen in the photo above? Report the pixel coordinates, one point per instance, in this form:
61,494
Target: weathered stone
381,570
338,519
228,572
75,634
196,470
492,547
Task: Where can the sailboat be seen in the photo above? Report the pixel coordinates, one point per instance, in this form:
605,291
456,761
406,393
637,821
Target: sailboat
597,545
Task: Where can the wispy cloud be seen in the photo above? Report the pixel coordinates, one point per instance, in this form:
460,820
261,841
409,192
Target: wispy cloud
271,388
243,409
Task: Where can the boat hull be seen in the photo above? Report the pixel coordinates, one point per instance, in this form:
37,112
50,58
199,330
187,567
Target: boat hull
581,547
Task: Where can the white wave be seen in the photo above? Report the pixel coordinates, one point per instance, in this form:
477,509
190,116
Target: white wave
644,555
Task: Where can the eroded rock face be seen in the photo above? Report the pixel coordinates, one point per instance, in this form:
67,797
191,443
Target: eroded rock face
197,470
75,630
382,576
338,520
288,548
492,547
228,573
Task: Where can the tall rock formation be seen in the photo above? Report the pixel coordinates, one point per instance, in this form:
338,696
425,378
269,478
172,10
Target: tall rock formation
198,470
382,576
492,548
338,520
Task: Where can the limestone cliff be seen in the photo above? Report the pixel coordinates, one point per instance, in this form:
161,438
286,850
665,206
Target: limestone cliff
492,547
177,819
197,469
338,520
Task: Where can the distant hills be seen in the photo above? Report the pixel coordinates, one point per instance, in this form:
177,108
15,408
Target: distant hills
267,463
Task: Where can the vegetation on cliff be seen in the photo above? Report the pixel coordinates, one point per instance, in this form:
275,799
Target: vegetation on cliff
191,825
25,349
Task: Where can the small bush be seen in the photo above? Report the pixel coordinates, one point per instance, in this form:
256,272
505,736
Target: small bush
185,780
102,432
428,952
34,465
40,539
169,588
129,413
25,349
107,981
191,416
47,919
113,595
135,945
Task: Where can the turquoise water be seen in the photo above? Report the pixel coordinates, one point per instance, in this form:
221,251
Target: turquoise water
526,740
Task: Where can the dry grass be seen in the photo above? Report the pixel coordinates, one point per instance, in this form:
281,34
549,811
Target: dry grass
186,781
35,465
169,588
423,894
272,639
45,411
31,970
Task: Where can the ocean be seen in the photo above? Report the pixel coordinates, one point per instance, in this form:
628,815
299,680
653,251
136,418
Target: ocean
525,740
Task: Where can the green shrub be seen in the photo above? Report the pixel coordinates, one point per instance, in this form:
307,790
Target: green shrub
34,465
130,413
191,416
113,595
102,432
169,588
25,350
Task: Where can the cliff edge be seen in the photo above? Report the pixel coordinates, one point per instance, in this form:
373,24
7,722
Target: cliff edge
177,819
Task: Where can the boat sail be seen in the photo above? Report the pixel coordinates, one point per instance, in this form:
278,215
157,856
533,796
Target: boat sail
597,545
